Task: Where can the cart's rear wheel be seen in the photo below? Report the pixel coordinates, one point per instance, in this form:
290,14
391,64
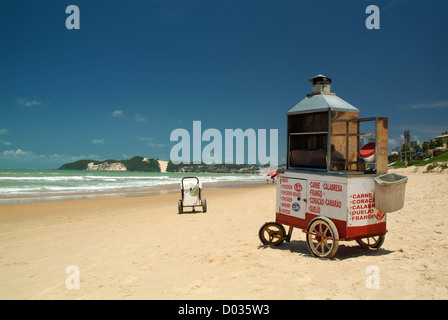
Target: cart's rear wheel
372,242
204,205
321,238
180,208
272,233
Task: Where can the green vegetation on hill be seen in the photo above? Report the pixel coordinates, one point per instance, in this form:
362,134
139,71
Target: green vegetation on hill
109,161
133,164
213,168
78,165
439,160
137,164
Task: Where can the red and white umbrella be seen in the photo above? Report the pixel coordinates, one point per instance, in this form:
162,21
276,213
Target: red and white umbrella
272,173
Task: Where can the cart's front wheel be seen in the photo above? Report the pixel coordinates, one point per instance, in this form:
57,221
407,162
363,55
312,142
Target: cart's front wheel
204,205
322,238
272,233
372,242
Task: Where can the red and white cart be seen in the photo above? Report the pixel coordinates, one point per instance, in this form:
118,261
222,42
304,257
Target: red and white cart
333,188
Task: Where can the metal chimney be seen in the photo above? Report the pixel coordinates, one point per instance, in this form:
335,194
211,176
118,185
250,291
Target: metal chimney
320,84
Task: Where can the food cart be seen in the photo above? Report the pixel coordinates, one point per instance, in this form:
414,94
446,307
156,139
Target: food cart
334,188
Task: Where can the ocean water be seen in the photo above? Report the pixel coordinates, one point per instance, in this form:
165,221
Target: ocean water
28,185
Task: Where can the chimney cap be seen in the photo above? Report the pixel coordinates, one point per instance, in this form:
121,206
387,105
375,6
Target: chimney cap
320,84
321,77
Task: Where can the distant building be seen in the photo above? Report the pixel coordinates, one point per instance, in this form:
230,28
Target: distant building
407,137
444,138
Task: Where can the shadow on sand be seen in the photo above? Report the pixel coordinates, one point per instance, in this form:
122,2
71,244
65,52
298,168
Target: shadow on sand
347,249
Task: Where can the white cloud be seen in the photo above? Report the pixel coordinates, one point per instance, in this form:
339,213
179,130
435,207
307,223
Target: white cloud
117,114
139,118
145,139
3,141
438,104
27,102
151,142
29,159
426,130
98,141
157,145
18,153
394,142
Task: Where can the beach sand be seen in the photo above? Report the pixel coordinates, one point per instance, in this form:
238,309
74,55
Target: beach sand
140,248
163,165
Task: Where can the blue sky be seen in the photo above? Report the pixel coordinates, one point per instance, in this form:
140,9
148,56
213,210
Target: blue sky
137,70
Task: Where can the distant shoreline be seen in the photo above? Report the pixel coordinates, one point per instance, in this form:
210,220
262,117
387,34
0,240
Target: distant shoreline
132,192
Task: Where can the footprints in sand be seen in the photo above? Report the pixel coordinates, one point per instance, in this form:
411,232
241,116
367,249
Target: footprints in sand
12,263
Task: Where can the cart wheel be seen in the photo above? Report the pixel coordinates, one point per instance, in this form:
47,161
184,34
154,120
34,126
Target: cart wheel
272,233
322,238
204,205
372,242
180,207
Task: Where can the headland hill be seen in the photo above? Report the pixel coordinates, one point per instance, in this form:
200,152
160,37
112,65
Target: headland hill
142,164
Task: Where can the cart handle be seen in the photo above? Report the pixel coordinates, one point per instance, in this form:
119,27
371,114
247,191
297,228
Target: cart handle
182,181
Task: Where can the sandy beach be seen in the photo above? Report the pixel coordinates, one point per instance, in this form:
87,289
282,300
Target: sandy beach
140,248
